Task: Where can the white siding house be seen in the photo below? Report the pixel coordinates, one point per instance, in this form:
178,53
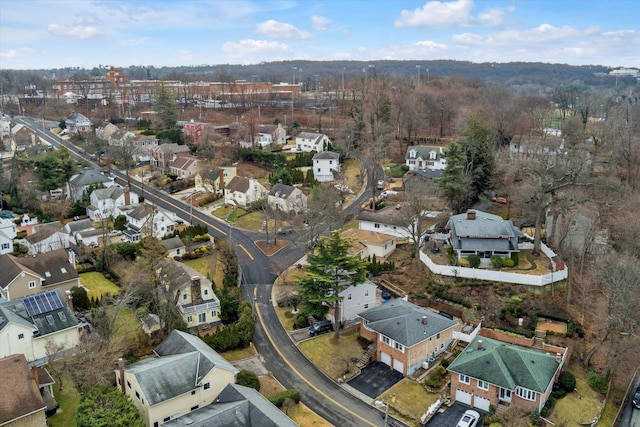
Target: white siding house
324,163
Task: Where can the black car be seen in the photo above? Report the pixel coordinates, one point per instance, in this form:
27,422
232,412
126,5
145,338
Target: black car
321,327
636,398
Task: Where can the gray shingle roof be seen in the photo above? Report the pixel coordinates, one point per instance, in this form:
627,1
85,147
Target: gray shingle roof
423,152
88,176
83,224
239,184
53,266
282,190
329,155
487,232
506,365
173,243
402,322
390,215
46,323
109,193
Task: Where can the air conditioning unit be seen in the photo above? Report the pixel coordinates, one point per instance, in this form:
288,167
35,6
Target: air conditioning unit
425,365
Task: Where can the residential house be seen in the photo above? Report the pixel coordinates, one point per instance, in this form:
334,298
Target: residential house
491,372
105,131
310,141
22,276
231,131
81,181
106,201
193,131
241,191
185,375
236,405
183,165
73,228
76,123
22,137
214,181
423,157
367,243
47,237
145,144
271,134
163,154
29,324
197,301
121,137
406,335
287,198
148,220
416,180
483,234
8,232
578,231
355,299
389,220
324,163
175,247
21,405
92,237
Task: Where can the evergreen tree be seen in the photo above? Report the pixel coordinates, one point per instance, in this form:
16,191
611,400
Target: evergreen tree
107,406
165,107
330,271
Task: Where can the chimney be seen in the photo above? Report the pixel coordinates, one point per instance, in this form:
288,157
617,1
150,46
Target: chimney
72,258
479,344
121,370
34,374
69,299
424,320
221,182
196,292
127,196
558,357
471,214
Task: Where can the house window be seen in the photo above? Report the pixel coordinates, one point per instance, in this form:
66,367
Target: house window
206,292
6,246
442,346
184,297
399,346
155,424
318,169
366,293
138,395
330,162
213,314
366,306
20,336
193,392
63,270
128,384
385,340
349,297
166,419
189,319
438,336
177,251
202,317
376,225
525,393
193,408
464,379
32,284
483,385
207,386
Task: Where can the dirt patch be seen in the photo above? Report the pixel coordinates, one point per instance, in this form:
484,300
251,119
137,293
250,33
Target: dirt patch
551,325
250,170
272,247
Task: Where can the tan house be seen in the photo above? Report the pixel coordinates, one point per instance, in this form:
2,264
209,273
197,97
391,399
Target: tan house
367,243
406,335
243,191
21,405
185,375
215,180
22,276
287,198
504,374
175,247
162,155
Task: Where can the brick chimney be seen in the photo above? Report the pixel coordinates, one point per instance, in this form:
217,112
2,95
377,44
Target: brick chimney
479,344
121,371
127,196
471,214
424,320
34,374
196,291
221,181
69,298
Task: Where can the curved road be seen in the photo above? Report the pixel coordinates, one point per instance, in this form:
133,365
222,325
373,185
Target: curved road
281,356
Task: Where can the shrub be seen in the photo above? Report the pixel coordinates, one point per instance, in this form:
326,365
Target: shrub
445,363
496,261
598,382
474,261
278,398
464,262
301,322
567,381
515,258
248,379
559,394
508,262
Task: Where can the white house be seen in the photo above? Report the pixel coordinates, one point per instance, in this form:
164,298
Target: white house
423,157
324,163
270,134
355,299
79,182
368,243
77,123
241,191
215,180
310,141
287,198
73,228
149,220
8,232
388,220
105,201
46,238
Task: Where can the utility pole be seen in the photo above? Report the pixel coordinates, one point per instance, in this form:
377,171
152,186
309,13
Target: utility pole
418,67
343,69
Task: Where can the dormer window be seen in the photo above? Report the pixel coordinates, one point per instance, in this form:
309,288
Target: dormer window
432,155
412,154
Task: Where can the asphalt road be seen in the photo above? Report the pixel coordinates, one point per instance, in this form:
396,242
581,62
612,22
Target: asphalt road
631,416
282,357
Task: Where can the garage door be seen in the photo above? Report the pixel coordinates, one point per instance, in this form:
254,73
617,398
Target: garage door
481,403
463,396
385,358
398,366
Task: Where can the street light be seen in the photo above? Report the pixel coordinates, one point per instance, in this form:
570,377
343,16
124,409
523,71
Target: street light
343,69
427,75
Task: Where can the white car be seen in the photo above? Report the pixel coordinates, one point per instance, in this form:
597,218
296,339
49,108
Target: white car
469,419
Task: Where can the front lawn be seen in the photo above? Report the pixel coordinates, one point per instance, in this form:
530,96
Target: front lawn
239,354
251,221
98,286
579,406
69,399
202,264
331,356
222,211
237,213
412,400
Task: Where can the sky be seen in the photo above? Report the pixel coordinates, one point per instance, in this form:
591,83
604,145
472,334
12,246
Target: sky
77,33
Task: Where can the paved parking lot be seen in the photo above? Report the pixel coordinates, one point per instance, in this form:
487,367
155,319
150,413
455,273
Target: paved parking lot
451,416
375,379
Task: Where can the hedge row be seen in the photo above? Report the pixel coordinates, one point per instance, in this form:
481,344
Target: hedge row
278,398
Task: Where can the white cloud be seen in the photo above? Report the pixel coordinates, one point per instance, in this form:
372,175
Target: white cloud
263,47
320,23
75,32
432,46
281,30
17,53
435,14
491,17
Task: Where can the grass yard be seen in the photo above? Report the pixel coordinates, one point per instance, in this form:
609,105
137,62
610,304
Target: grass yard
269,386
218,276
239,354
412,400
287,322
331,356
222,211
300,413
351,170
237,213
251,221
202,264
97,285
69,399
127,325
580,406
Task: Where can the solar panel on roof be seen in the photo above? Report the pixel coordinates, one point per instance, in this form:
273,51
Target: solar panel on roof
42,303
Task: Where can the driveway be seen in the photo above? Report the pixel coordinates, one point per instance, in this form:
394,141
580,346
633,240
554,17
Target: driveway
375,379
452,415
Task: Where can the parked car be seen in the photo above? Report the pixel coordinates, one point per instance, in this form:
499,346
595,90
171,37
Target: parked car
501,200
380,185
469,419
284,230
388,193
636,398
321,327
